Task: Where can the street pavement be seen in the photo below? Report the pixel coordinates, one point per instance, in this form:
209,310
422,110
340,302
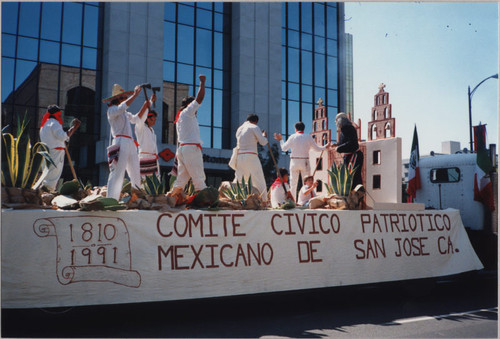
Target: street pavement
462,307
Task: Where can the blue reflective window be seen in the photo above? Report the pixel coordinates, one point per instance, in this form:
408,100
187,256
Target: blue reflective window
218,95
186,15
218,22
70,55
332,64
306,17
169,43
332,48
293,39
319,70
49,51
307,113
29,19
319,92
283,62
217,143
333,98
283,89
319,19
27,48
90,26
184,74
293,15
283,117
219,6
203,47
307,93
185,38
51,20
307,67
293,64
7,77
331,25
23,70
168,71
89,58
205,5
72,23
218,50
293,116
205,135
218,79
307,41
169,11
319,44
203,18
293,91
9,17
8,45
204,116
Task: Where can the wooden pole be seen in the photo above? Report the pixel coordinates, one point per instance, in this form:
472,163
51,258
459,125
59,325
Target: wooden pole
317,162
70,163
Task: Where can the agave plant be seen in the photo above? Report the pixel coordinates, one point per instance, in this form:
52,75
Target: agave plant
188,189
153,186
341,178
21,162
237,191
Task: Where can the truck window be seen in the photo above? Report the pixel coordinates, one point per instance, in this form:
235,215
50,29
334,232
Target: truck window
444,175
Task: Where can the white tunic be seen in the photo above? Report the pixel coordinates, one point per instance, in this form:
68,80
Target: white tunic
146,137
278,195
120,120
300,145
53,134
188,130
247,137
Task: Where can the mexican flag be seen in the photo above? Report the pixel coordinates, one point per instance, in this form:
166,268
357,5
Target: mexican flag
413,171
483,188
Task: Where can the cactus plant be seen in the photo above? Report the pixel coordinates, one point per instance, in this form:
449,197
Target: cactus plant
21,162
153,186
340,179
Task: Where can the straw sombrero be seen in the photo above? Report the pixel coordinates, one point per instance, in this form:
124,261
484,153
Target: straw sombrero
116,92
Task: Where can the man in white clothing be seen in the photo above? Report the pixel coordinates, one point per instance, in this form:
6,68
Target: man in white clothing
300,145
307,192
53,135
146,137
123,156
248,163
189,155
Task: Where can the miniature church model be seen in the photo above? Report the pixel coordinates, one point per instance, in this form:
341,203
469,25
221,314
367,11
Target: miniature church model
381,171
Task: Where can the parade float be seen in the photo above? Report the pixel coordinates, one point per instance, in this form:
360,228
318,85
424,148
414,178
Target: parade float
88,252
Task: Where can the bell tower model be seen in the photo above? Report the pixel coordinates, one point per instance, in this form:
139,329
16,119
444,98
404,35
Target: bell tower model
382,125
320,131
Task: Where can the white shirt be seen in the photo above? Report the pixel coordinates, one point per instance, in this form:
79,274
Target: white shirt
53,134
300,144
188,130
278,195
146,136
303,198
247,137
119,120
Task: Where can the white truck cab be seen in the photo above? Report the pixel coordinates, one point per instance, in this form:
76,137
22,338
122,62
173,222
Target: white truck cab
447,181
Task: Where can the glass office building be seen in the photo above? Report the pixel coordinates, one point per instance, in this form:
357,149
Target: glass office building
255,60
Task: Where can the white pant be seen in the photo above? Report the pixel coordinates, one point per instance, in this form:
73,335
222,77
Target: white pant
249,165
190,165
128,160
54,174
298,166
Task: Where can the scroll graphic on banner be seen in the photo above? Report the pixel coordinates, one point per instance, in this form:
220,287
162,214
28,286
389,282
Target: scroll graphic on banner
90,249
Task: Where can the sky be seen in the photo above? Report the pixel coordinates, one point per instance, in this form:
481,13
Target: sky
427,54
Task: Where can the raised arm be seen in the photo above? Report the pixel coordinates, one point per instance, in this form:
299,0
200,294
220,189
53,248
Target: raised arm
201,90
130,100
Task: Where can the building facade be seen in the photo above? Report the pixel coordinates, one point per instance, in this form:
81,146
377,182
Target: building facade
255,60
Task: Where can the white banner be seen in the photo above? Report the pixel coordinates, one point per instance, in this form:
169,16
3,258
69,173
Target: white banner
67,258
